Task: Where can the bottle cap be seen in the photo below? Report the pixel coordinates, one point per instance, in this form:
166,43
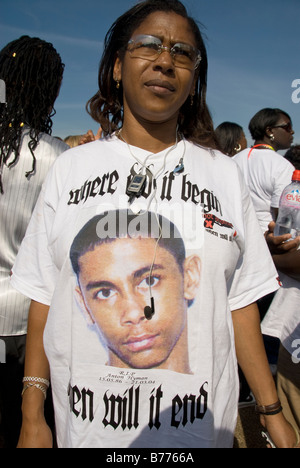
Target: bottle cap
296,175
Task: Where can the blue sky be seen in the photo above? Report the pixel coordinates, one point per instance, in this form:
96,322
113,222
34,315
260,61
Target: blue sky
253,51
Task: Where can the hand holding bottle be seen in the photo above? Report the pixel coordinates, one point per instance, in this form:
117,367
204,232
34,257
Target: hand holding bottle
288,220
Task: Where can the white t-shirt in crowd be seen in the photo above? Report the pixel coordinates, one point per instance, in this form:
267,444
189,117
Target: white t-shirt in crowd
227,266
282,319
16,206
267,173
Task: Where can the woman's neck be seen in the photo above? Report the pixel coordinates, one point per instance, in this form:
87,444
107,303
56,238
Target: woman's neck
153,137
266,142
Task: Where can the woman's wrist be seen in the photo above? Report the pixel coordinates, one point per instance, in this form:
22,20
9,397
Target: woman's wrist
33,404
269,410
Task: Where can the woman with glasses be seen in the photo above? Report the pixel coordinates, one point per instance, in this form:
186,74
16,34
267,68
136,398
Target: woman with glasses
158,154
266,172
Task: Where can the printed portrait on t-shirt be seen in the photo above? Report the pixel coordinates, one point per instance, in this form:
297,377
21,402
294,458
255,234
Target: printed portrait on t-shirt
123,263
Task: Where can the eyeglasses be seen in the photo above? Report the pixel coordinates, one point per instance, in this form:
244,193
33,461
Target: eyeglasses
150,47
287,127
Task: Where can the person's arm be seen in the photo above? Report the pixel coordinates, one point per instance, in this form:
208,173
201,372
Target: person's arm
253,361
35,433
288,264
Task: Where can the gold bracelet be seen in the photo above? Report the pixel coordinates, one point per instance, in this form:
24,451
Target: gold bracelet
36,385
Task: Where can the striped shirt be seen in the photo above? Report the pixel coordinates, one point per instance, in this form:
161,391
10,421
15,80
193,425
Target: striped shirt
16,206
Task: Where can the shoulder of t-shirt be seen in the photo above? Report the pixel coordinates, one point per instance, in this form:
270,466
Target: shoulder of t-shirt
268,154
212,154
241,154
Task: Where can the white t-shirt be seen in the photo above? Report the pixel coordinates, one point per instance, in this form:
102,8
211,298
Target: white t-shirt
267,173
283,319
16,206
192,402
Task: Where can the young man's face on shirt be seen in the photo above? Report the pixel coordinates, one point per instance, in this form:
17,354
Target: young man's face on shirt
114,290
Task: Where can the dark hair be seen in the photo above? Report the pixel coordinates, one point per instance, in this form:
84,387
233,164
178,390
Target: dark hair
293,156
229,134
125,224
262,120
32,71
106,106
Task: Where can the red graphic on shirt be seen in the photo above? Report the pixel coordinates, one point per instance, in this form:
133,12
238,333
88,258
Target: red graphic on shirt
210,220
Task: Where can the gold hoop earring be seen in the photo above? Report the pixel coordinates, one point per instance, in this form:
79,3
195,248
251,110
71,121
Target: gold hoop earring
238,148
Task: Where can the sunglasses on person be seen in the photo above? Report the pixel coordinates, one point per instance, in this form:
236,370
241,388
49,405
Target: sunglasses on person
287,127
150,47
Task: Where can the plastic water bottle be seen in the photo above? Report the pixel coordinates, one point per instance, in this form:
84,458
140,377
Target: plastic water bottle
288,221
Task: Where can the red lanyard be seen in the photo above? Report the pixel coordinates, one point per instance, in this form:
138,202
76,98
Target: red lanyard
260,146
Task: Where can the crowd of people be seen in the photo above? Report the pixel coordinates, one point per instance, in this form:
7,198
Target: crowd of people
136,264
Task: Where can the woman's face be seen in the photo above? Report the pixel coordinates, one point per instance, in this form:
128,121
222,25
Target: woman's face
283,133
154,91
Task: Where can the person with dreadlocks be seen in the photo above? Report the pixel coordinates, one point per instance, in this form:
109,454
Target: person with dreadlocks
32,71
